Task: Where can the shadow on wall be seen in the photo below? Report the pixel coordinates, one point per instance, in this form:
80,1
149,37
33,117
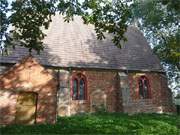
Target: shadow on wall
29,76
82,49
134,54
92,53
7,106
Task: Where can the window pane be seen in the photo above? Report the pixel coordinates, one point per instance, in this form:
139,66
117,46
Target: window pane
145,89
82,90
141,89
75,90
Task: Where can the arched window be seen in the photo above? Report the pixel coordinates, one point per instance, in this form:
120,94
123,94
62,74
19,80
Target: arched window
79,87
144,88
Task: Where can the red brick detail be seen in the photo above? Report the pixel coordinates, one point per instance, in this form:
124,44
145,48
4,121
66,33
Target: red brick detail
161,96
30,76
105,81
148,85
78,77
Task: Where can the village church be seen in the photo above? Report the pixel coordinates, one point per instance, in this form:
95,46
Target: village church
77,73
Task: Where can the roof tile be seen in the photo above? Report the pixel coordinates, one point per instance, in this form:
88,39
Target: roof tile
75,44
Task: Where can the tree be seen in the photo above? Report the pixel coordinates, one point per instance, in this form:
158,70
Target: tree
4,19
159,19
29,17
3,23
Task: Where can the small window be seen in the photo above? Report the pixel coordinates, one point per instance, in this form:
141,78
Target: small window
79,87
144,89
75,89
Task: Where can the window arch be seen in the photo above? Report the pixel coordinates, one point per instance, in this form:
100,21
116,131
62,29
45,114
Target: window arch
79,87
144,87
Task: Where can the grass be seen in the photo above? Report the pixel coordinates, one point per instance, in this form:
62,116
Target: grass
103,123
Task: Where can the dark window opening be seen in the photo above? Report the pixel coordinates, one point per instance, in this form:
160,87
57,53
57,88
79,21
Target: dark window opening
75,89
79,87
144,89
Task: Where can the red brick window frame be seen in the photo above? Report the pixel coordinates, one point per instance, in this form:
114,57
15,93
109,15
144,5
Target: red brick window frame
144,91
79,87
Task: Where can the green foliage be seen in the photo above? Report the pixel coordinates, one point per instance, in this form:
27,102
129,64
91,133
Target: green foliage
105,16
4,19
172,5
108,17
69,8
159,19
4,22
29,17
106,123
156,15
168,49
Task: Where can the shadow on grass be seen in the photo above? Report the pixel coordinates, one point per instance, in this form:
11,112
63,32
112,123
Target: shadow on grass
104,123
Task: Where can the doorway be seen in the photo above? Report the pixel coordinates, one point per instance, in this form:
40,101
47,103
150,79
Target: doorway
26,108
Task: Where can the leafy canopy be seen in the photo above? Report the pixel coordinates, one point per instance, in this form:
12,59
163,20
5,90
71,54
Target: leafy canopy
4,21
30,17
160,21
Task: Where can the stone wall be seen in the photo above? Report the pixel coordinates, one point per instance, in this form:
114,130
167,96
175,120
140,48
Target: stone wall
64,93
29,76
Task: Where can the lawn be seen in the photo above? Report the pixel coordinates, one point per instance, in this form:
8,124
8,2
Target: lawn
103,123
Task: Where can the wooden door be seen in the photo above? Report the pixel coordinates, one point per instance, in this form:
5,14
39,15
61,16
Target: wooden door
26,108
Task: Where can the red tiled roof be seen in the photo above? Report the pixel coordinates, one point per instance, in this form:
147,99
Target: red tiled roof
75,44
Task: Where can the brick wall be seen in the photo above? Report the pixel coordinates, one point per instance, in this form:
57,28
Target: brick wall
30,76
103,82
102,90
161,97
166,95
7,106
117,91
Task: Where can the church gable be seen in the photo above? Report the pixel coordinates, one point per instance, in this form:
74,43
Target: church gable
33,90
